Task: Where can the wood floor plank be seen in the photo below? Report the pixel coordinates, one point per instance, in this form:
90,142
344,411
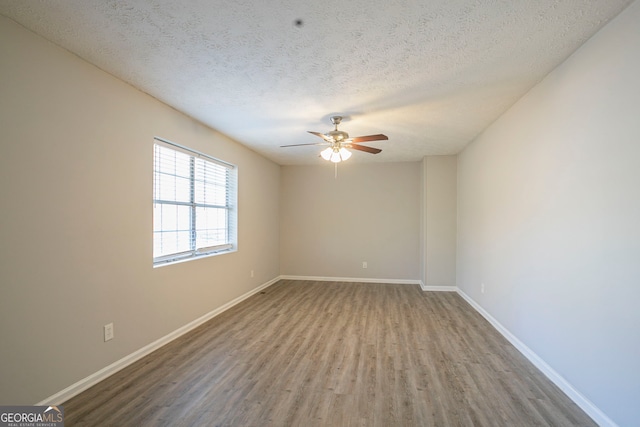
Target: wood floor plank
333,354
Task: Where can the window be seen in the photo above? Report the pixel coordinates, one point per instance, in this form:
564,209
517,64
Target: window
194,198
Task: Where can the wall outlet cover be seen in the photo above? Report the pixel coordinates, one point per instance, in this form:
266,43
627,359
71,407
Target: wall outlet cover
108,332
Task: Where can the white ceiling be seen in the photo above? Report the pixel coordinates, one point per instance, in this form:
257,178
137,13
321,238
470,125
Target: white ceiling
429,74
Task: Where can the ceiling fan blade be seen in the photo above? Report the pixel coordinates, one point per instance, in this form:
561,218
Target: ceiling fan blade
300,145
321,135
364,148
378,137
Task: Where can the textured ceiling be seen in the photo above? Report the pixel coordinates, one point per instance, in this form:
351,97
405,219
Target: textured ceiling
429,74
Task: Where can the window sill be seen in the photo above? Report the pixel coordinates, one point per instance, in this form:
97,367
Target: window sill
193,258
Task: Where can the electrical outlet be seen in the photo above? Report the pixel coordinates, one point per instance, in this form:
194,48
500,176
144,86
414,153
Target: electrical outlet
251,273
364,264
482,288
108,332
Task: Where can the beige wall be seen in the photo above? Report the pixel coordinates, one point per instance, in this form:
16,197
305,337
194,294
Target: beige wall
371,213
439,228
75,229
549,219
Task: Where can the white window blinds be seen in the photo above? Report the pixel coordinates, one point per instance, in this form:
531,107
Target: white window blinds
193,204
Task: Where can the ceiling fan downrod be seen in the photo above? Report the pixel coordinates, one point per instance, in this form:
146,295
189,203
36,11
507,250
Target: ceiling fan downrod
336,121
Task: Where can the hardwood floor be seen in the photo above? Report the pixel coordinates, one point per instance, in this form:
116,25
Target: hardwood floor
333,354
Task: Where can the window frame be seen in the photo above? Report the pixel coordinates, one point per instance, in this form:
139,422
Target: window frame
231,187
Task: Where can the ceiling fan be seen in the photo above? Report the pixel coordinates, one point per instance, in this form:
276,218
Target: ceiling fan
338,142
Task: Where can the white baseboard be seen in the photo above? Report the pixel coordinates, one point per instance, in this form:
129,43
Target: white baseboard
432,288
352,279
578,398
91,380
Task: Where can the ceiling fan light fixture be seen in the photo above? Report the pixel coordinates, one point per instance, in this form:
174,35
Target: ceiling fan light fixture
335,154
336,157
326,153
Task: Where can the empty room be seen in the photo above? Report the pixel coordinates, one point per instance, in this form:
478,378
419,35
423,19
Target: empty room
303,213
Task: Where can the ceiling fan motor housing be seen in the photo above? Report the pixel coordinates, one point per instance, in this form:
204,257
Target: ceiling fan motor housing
337,135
